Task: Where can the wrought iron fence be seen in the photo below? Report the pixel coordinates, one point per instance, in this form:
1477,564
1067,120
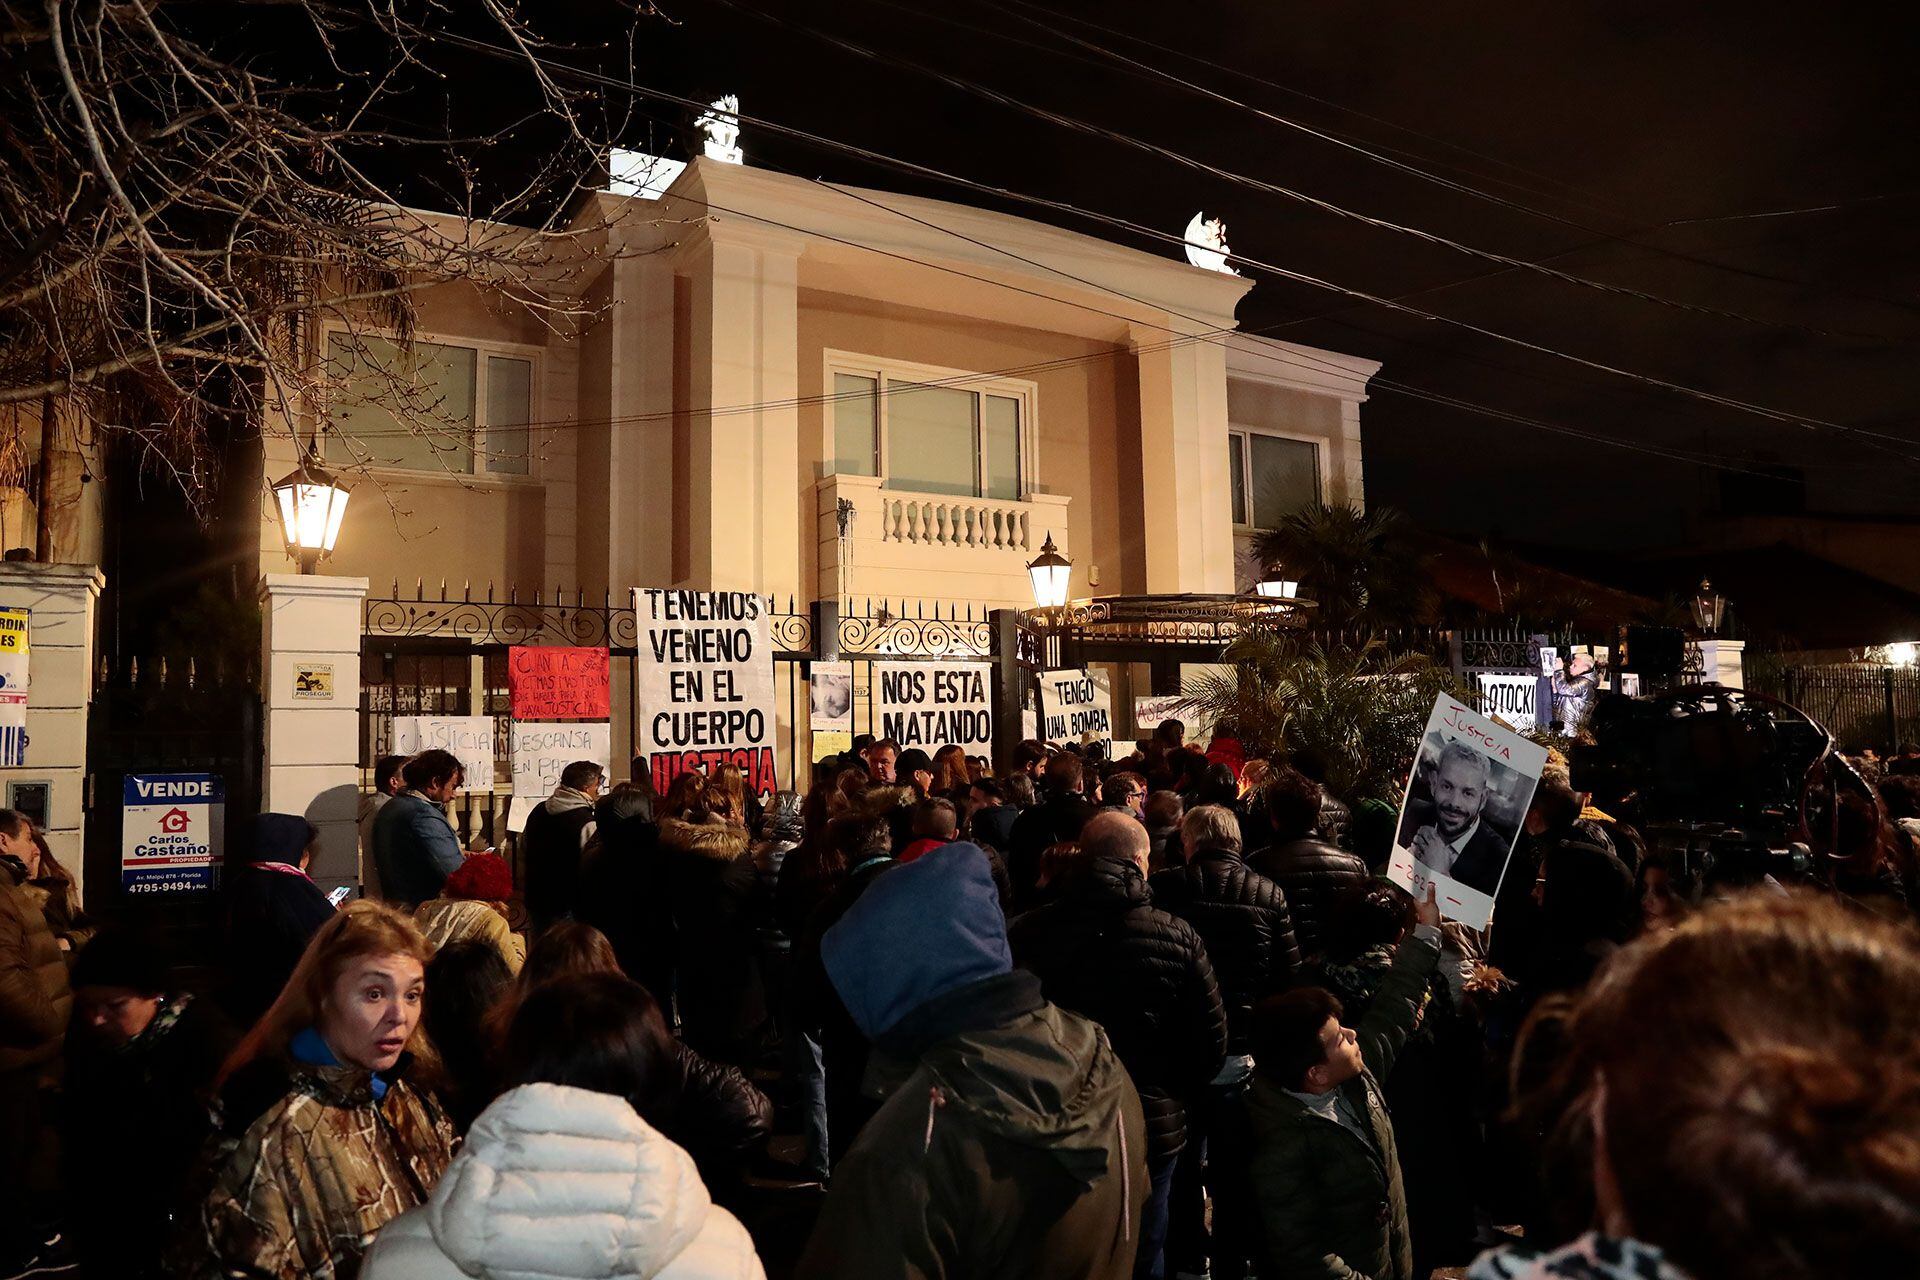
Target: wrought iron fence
1862,705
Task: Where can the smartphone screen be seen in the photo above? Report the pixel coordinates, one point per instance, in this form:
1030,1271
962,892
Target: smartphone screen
340,895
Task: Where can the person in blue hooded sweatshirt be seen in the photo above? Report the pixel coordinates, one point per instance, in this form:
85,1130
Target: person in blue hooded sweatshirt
1011,1142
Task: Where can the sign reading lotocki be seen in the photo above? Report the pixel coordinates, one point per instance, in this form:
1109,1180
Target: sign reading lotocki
703,684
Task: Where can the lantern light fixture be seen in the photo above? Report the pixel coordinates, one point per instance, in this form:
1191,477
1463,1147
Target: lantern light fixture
313,502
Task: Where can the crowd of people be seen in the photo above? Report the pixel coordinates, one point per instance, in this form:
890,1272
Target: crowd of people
1159,1016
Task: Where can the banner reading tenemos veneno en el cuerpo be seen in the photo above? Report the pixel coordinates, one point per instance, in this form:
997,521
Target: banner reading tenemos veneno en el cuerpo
703,684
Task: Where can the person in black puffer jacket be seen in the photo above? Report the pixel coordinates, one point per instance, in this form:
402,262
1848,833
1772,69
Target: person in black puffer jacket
1102,950
1310,871
1242,917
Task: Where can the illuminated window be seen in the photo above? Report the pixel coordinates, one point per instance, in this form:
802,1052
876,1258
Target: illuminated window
925,431
1270,477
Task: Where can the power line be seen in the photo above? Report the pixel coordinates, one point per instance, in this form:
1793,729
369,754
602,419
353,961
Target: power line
1078,125
1633,238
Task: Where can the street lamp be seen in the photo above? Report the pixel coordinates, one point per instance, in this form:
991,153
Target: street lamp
312,504
1275,585
1708,607
1049,571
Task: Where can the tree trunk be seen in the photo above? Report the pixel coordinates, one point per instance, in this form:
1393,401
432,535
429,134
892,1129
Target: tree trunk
43,502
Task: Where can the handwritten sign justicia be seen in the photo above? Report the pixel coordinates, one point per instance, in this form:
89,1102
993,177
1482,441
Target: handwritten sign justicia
555,682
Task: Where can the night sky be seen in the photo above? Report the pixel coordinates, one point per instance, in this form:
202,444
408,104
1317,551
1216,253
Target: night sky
1621,119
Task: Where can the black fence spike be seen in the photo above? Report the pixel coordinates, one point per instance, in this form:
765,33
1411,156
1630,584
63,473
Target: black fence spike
489,591
443,591
466,591
420,588
513,594
396,587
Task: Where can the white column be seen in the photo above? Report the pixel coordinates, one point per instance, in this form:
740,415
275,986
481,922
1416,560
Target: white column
744,481
1183,456
1722,662
61,600
312,743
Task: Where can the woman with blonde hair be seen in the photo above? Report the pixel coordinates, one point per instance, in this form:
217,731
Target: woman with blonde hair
347,1140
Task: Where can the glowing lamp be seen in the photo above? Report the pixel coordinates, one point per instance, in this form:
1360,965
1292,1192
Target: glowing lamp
312,505
1049,571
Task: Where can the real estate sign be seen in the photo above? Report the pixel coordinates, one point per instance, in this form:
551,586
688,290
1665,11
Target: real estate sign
13,687
703,684
172,829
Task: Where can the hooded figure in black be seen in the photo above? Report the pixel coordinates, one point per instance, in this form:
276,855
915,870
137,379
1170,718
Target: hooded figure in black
273,909
1011,1141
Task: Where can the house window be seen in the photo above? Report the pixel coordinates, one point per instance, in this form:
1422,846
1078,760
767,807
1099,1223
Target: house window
430,407
1270,477
922,435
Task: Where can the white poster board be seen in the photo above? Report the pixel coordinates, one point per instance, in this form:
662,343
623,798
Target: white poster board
935,704
830,708
469,738
1465,803
703,685
541,750
1510,699
1076,707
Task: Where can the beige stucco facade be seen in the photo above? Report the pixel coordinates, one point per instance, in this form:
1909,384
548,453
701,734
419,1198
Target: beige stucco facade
683,431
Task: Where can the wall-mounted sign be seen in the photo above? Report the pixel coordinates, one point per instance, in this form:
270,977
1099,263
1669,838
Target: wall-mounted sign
13,688
313,682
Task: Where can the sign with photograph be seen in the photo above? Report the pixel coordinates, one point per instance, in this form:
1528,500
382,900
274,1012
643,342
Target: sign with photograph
13,687
830,703
1465,803
703,684
1509,698
557,682
172,828
469,738
541,751
1076,707
935,704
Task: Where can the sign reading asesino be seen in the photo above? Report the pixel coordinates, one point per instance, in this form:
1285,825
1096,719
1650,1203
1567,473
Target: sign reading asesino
172,832
703,684
557,682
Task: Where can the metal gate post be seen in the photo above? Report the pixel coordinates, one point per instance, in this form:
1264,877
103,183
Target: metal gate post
1007,686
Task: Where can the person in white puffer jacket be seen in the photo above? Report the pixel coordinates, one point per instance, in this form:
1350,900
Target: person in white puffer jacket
559,1182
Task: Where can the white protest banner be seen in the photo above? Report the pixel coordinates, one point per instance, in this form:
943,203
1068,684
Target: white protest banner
1150,713
1510,699
13,687
1466,801
541,750
469,738
1076,707
935,704
830,707
703,684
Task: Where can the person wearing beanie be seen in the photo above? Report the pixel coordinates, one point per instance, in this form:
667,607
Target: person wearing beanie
140,1069
473,906
1010,1141
272,910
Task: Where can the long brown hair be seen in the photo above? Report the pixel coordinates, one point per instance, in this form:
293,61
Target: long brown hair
567,949
727,793
362,928
949,770
1751,1079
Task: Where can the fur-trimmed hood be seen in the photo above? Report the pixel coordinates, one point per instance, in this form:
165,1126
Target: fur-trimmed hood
715,838
878,802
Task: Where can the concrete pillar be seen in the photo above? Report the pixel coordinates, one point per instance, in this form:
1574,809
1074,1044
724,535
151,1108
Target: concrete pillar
1183,458
61,599
744,480
310,624
1722,662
